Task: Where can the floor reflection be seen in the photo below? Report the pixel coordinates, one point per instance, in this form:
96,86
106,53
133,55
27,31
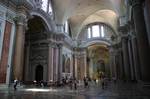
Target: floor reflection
113,91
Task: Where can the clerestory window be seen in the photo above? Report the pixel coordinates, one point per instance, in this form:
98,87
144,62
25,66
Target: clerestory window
95,31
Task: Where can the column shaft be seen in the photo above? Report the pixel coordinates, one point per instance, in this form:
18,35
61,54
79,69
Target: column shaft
136,59
126,58
131,60
142,39
19,52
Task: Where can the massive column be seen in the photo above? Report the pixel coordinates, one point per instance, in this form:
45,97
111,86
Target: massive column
19,47
131,59
136,58
5,52
142,39
59,61
121,70
126,57
85,62
50,63
112,62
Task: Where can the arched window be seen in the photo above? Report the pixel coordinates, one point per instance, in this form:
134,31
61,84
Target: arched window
99,30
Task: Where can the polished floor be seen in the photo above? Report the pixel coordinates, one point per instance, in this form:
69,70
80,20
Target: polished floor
112,91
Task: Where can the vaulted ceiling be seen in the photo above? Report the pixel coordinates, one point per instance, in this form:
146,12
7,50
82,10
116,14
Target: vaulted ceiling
79,13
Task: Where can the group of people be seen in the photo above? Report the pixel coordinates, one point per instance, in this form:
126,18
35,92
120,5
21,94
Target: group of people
101,80
71,82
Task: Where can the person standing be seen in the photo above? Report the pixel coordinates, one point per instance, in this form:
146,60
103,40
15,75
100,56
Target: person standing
15,84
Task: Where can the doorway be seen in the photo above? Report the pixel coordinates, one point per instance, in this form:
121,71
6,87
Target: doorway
39,73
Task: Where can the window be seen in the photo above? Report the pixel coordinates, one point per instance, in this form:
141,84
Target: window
89,33
66,27
50,8
98,31
102,31
44,5
95,31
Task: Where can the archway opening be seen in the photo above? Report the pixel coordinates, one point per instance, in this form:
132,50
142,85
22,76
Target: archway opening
35,49
98,61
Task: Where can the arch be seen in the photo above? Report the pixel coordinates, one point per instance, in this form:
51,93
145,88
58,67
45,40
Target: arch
44,16
96,41
39,73
97,23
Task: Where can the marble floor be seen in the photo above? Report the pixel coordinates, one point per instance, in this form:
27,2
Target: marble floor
112,91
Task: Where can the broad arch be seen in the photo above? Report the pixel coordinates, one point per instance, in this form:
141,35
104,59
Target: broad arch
97,23
44,16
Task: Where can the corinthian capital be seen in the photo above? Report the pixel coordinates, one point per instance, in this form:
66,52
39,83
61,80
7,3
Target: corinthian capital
20,19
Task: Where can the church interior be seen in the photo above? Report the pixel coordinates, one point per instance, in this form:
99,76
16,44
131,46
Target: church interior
50,40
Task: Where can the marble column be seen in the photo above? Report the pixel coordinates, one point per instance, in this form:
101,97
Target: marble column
76,66
131,60
73,68
85,64
50,63
19,48
126,58
55,63
60,56
136,58
5,52
121,70
112,62
142,39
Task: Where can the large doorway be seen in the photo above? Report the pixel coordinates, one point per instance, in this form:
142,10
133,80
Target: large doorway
39,73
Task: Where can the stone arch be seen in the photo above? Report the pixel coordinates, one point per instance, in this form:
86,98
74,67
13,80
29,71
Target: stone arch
44,16
97,23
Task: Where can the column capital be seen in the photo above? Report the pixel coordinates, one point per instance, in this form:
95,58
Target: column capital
52,44
125,37
20,19
59,45
137,2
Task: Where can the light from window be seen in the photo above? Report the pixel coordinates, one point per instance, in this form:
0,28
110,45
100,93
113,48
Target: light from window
66,27
102,31
95,31
50,8
44,5
89,33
